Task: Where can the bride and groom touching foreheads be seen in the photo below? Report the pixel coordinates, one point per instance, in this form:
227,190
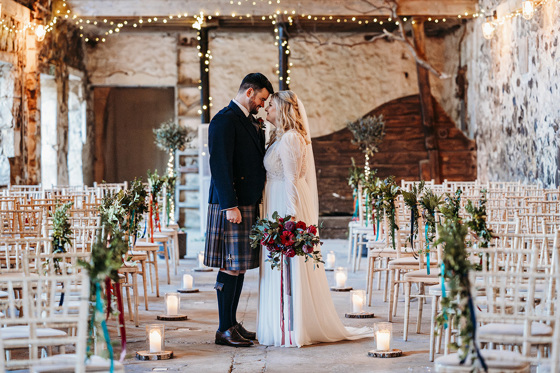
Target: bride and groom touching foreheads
246,170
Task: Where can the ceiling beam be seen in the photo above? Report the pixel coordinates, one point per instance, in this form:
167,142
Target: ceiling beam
159,8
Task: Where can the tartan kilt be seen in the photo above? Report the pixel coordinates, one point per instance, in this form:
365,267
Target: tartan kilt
227,244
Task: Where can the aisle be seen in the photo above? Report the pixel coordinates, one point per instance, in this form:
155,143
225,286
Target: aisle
193,340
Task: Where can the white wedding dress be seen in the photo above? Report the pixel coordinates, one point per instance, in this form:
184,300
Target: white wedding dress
309,313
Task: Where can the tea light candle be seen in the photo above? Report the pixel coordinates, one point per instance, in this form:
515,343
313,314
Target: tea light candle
331,258
358,297
340,277
172,302
201,260
187,282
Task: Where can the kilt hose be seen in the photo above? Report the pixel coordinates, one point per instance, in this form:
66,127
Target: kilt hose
227,244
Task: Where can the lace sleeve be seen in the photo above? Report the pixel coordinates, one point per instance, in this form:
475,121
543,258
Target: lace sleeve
291,153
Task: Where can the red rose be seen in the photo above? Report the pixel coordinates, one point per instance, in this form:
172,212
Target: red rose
307,249
312,229
287,238
290,253
301,225
281,220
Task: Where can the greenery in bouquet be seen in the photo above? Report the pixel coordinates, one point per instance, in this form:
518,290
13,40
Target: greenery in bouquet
430,203
373,189
171,136
368,133
457,300
62,229
390,190
411,201
452,205
356,176
283,236
156,183
477,221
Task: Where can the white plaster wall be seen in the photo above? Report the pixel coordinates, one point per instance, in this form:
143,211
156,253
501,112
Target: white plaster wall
513,97
135,59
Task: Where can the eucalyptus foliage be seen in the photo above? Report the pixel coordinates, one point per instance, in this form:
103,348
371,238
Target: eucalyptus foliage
62,229
171,136
368,133
430,203
477,221
356,175
156,183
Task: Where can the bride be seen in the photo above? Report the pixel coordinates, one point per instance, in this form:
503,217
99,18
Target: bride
304,314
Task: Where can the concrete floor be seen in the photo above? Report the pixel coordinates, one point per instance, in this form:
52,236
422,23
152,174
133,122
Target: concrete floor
192,341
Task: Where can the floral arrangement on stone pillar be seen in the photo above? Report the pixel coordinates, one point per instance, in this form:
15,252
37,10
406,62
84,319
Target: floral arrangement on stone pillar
368,134
170,137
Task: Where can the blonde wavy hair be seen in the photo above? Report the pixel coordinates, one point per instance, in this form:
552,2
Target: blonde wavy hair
288,116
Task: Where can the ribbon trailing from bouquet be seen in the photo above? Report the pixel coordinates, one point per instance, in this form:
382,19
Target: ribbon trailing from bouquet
285,274
156,208
133,225
443,279
108,293
377,234
473,320
99,308
122,328
412,229
356,204
151,223
367,209
428,250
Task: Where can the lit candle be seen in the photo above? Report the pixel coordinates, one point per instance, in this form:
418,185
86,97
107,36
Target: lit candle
155,341
187,282
340,277
358,297
172,303
383,340
330,259
201,260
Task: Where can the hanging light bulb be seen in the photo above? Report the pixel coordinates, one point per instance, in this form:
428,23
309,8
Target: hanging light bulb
40,32
528,9
488,30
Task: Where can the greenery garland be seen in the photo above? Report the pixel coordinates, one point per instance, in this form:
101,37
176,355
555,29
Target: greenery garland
62,229
390,192
477,221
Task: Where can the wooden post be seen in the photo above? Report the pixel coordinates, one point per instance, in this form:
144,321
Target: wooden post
204,76
426,102
283,53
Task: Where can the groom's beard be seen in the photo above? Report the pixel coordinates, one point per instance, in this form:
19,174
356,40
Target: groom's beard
253,107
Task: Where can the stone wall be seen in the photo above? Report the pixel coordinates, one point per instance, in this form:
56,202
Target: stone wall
512,97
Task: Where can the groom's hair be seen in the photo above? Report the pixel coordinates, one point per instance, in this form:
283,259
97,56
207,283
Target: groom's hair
257,81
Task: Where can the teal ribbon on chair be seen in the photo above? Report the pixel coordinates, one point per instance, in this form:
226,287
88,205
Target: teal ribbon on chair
427,250
99,308
377,237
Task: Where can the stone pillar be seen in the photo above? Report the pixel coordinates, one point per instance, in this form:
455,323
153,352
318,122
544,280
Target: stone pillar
62,125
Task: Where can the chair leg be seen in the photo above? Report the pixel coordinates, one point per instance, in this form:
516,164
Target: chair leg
380,267
157,273
128,299
386,270
433,327
371,272
420,308
397,289
166,254
391,275
135,290
407,286
350,242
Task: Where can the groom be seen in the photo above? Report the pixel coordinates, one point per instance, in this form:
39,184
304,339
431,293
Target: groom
236,144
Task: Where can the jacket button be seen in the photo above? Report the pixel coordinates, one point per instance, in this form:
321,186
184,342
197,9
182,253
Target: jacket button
242,178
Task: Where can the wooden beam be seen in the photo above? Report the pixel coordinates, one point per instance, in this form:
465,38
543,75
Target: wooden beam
150,8
426,102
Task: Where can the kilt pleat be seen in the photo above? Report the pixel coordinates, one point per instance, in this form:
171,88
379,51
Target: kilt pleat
228,245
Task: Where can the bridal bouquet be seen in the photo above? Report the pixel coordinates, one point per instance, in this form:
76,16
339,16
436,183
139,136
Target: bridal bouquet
283,236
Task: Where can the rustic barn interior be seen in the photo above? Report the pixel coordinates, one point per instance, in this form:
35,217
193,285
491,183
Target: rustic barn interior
468,93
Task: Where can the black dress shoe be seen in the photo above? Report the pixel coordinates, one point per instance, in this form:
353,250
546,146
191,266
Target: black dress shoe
231,337
244,333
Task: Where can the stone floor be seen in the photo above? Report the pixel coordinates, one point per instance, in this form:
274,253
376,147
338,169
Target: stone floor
192,341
